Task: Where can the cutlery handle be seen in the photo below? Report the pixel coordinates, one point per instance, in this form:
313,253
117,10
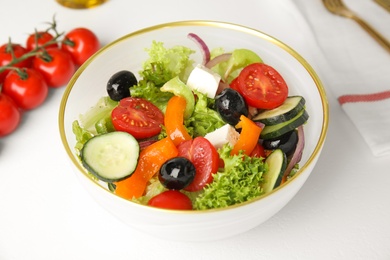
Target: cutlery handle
375,34
384,3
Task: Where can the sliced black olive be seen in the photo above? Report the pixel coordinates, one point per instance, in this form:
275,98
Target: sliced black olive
177,173
118,86
230,106
286,143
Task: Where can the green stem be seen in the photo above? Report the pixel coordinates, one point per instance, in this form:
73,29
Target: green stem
34,52
22,73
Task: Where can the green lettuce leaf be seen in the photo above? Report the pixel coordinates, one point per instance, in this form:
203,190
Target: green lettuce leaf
101,110
82,135
204,118
239,59
166,63
239,181
148,90
177,87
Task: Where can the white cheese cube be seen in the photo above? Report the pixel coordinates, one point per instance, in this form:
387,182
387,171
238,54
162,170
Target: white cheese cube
204,80
223,135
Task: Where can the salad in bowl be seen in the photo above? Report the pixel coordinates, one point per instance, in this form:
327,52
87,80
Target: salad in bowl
192,124
194,136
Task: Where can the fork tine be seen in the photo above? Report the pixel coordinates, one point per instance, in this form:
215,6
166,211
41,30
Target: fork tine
334,6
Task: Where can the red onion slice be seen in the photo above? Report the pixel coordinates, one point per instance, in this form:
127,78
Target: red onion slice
145,143
218,59
297,156
252,111
260,124
202,45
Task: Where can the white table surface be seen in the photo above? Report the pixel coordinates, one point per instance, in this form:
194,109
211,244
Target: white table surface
342,212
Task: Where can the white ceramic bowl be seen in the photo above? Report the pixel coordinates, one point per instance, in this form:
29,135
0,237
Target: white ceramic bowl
128,52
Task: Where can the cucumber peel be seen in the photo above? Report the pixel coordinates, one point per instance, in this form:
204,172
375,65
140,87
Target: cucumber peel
288,110
275,131
277,164
111,157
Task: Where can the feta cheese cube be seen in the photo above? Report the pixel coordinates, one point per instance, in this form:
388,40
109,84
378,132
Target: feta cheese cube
223,135
204,80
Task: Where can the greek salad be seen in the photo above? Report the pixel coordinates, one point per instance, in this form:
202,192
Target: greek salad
188,136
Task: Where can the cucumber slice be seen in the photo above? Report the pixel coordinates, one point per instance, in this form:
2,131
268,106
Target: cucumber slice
277,163
288,110
275,131
111,157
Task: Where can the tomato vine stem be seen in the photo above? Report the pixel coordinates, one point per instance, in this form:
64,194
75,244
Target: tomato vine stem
37,51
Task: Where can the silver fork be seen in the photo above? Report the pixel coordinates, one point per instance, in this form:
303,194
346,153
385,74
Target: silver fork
337,7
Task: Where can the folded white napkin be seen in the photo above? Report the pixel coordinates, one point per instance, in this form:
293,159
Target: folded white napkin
359,68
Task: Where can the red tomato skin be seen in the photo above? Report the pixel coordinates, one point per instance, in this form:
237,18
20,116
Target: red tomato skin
6,58
27,93
42,38
205,158
84,43
234,85
56,72
138,117
171,199
258,151
262,86
10,115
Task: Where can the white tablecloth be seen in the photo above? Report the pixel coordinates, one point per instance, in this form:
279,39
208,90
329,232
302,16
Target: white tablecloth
342,212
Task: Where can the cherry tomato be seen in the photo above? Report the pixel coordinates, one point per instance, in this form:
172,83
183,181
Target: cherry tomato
234,85
6,57
171,199
27,88
205,158
138,117
9,115
262,86
56,67
39,39
80,43
258,151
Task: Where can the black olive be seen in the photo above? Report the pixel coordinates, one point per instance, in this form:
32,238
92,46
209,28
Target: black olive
177,173
230,106
118,86
287,143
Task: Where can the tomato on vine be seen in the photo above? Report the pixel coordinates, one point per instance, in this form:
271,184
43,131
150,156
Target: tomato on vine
56,66
26,87
48,59
80,43
8,52
38,39
9,115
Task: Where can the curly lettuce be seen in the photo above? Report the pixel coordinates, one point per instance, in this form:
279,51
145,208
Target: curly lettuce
239,181
149,91
164,64
204,118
